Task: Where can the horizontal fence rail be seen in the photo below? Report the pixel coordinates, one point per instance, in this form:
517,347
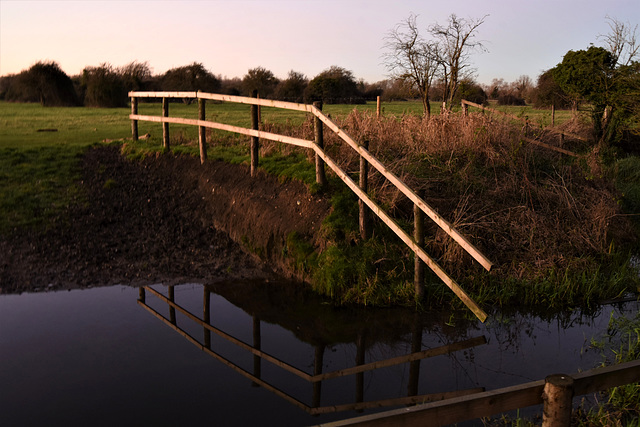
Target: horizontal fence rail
466,104
493,402
321,159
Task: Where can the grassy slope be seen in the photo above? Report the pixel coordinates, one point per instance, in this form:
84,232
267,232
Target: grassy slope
38,171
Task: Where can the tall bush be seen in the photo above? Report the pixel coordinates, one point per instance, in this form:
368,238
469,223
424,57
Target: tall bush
43,82
103,87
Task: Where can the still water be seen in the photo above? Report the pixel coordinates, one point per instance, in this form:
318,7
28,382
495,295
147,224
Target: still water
240,354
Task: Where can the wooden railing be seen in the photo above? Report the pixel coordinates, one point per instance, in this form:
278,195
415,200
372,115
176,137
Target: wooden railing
527,123
321,159
555,393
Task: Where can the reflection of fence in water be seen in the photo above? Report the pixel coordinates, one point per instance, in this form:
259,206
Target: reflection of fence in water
317,377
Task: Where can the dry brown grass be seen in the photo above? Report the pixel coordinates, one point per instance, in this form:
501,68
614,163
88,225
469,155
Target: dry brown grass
528,209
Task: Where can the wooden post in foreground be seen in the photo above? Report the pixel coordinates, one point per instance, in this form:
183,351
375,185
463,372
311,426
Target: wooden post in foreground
255,141
553,114
165,125
378,107
465,109
557,397
321,177
202,131
418,236
364,216
134,123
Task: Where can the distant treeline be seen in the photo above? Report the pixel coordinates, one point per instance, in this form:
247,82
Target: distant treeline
107,86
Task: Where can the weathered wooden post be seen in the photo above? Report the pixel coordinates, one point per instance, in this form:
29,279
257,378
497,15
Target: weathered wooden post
202,131
321,177
364,217
378,107
557,397
141,294
553,114
165,125
418,235
255,141
134,123
465,109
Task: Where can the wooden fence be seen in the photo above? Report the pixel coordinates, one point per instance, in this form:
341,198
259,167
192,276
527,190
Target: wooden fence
555,393
321,120
527,123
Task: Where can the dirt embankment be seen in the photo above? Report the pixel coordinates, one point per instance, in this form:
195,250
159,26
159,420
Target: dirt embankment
164,219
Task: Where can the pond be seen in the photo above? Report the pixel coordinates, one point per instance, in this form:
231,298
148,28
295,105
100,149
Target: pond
267,354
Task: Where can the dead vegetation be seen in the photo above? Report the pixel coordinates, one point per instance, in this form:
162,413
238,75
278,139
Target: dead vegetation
530,210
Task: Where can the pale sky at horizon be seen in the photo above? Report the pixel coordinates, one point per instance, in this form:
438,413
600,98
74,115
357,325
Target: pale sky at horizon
232,36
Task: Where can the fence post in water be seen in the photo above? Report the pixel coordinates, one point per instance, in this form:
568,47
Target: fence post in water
134,123
557,397
202,131
257,344
418,235
255,141
318,361
206,316
172,309
364,221
321,177
165,125
141,294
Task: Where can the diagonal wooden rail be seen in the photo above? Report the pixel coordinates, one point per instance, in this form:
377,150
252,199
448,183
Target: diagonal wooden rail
325,159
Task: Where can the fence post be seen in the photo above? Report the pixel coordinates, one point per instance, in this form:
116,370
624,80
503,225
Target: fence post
557,397
553,114
378,107
255,141
418,235
141,294
165,125
364,221
134,123
321,178
202,131
465,109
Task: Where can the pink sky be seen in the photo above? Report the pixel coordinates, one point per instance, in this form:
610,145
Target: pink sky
231,36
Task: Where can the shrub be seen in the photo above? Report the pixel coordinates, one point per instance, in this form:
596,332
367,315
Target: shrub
103,87
45,83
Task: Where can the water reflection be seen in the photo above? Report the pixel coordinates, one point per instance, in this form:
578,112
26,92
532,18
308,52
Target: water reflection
361,334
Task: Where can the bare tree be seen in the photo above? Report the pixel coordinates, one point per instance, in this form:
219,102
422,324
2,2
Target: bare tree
622,42
456,40
411,58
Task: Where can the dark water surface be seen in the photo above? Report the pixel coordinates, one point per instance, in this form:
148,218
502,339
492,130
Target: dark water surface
99,357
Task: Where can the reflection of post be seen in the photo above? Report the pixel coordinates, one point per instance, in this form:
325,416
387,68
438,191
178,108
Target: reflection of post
172,309
414,366
141,294
257,344
206,317
360,346
317,370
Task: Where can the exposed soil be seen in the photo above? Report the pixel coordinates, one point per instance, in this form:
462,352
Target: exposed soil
165,219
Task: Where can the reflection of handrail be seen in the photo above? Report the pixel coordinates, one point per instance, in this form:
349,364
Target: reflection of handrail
318,377
321,159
